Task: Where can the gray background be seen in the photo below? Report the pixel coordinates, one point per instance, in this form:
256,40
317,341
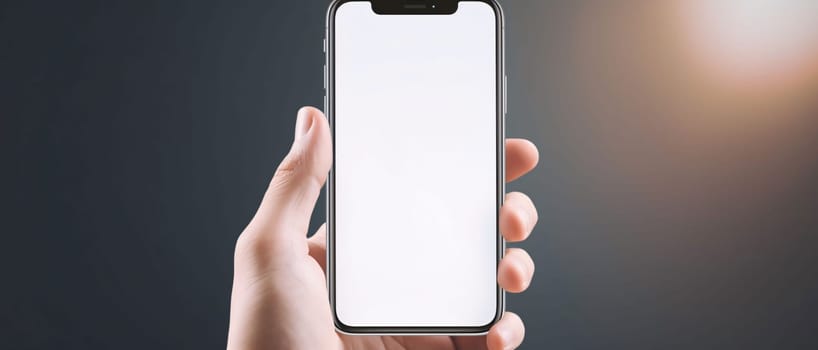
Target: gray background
675,211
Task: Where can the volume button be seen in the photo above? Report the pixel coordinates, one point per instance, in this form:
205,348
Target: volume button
505,94
325,77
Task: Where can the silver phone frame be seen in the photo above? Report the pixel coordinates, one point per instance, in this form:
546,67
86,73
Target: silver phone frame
329,109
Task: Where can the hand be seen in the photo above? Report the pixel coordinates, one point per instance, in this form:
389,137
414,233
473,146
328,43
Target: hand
280,298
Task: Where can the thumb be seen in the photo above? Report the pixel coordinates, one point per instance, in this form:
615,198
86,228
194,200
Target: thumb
287,205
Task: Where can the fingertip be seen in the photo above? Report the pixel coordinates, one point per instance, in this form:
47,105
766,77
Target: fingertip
506,334
518,216
532,152
303,123
316,141
516,270
310,110
512,224
529,151
521,157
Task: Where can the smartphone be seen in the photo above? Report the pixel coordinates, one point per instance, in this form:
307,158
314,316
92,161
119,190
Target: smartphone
416,102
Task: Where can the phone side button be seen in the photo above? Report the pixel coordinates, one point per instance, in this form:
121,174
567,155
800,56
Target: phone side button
325,104
325,77
505,94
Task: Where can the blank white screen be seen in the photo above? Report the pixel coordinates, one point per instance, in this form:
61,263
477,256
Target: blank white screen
415,167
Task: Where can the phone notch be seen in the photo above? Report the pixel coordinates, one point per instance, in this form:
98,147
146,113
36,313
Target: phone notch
414,7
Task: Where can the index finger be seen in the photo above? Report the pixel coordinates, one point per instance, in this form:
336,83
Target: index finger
521,157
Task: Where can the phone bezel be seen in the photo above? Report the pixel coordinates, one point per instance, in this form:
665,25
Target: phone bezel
329,108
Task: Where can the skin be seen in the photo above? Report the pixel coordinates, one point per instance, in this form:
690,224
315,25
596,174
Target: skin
280,298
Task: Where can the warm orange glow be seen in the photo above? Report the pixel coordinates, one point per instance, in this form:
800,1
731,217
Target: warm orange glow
753,41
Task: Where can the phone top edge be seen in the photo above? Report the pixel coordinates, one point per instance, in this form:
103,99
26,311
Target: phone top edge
494,4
